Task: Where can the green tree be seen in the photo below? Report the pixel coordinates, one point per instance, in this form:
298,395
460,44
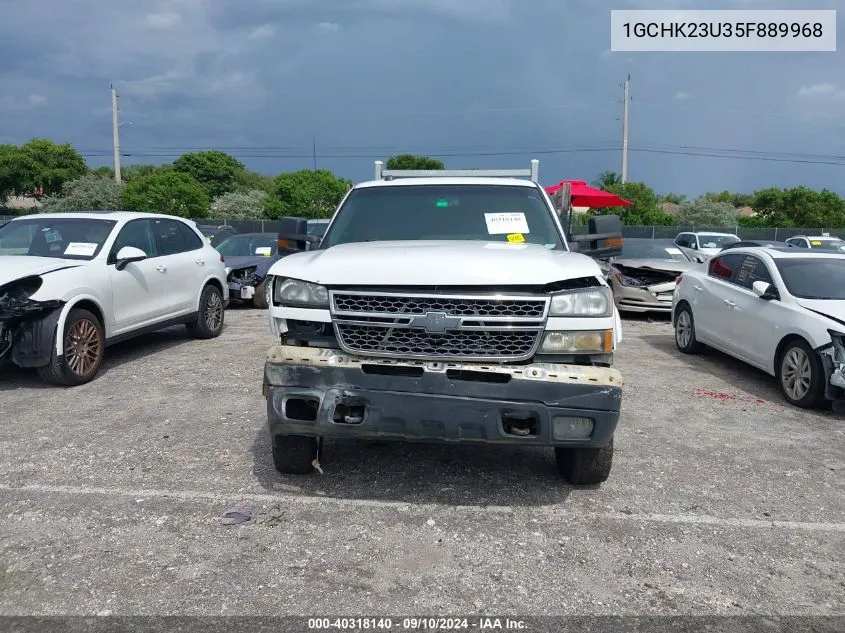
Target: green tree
410,161
54,164
800,207
89,193
214,170
239,206
17,172
246,181
607,179
131,172
170,192
103,172
706,212
643,212
306,193
674,198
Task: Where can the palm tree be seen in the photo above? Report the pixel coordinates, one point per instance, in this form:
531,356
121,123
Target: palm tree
606,179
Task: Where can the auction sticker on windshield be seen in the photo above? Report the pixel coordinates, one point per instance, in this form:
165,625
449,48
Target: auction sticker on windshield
82,249
263,250
504,223
516,237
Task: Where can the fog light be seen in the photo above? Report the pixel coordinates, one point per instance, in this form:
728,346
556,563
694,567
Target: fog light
597,341
566,428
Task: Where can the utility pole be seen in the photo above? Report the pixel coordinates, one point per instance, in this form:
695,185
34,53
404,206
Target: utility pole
314,146
116,141
625,133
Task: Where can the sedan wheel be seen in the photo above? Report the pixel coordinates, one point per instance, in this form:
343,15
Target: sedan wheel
801,375
685,331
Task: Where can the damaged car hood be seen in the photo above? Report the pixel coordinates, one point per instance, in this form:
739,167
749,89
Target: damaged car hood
13,267
429,263
242,261
663,265
831,308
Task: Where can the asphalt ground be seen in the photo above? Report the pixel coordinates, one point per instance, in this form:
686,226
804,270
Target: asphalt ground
723,500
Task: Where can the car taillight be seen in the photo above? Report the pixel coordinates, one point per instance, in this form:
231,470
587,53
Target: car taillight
222,259
678,280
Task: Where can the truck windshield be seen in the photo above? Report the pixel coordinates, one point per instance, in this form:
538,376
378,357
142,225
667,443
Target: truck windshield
490,213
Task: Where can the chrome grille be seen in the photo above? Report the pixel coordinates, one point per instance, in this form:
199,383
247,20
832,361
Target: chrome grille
442,327
456,306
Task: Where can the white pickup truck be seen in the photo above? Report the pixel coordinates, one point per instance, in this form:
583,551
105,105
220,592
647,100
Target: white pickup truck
445,307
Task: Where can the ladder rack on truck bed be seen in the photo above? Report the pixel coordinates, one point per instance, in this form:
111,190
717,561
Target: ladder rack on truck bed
390,174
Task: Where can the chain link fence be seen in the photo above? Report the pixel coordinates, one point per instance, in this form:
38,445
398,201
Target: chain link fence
653,232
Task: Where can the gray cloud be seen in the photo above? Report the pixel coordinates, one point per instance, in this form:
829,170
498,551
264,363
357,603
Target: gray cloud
500,81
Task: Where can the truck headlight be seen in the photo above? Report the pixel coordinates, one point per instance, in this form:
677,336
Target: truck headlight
587,342
591,302
304,294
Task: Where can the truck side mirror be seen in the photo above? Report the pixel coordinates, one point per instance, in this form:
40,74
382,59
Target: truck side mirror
293,235
603,239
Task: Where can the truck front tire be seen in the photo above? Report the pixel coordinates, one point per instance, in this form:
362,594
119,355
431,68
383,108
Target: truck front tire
585,465
294,454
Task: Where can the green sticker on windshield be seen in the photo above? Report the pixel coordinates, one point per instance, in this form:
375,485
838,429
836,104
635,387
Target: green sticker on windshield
442,203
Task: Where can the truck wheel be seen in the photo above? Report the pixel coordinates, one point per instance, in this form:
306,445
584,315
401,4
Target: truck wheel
294,454
84,346
209,322
801,375
685,331
259,299
586,465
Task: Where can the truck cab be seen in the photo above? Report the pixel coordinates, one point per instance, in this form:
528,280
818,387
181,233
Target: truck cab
445,306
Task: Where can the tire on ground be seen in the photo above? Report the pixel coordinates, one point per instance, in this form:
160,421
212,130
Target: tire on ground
81,359
814,397
294,454
210,316
259,300
684,316
585,465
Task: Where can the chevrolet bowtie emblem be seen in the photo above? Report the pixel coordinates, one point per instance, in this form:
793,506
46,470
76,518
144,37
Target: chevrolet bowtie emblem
435,322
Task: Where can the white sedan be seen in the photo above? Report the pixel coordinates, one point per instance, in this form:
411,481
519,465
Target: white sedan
781,310
73,283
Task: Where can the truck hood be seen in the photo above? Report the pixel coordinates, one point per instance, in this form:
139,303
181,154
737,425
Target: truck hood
14,267
436,263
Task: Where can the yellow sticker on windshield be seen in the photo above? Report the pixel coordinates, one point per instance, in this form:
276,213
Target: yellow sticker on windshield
516,237
816,243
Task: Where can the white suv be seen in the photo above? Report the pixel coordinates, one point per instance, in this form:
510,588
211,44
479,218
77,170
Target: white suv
73,283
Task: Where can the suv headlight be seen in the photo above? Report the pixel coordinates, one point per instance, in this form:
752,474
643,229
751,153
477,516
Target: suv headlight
589,302
303,294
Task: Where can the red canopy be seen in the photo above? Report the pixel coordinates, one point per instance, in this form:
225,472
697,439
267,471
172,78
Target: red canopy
583,195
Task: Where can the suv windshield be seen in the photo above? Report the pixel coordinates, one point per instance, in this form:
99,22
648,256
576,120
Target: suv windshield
649,249
490,213
716,241
814,277
248,245
62,238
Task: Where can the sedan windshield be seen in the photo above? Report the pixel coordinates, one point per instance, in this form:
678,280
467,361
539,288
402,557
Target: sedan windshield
716,241
62,238
828,244
490,213
814,277
248,245
649,249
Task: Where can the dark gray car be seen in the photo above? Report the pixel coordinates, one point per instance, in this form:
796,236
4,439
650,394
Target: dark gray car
248,258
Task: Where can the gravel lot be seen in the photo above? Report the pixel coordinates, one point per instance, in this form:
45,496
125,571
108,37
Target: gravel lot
722,500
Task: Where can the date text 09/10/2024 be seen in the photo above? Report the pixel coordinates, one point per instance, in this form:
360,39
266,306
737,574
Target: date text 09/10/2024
416,624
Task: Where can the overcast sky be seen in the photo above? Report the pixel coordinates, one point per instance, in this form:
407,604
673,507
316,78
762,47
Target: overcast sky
483,83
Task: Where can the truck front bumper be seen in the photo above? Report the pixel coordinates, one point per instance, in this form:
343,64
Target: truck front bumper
326,393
